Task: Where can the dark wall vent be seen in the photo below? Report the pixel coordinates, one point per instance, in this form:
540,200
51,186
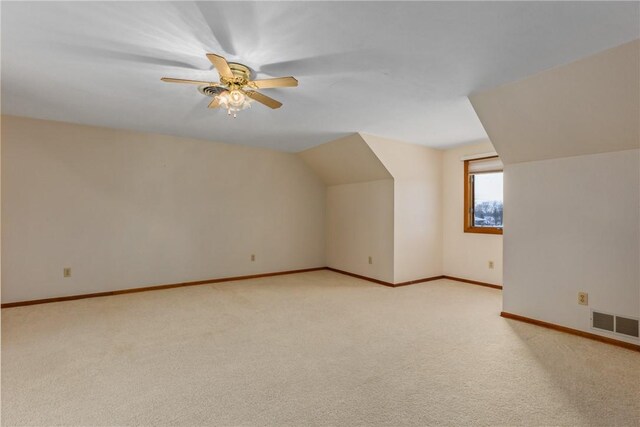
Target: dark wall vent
602,321
612,323
627,326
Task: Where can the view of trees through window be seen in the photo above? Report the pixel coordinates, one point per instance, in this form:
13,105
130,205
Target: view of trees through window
487,200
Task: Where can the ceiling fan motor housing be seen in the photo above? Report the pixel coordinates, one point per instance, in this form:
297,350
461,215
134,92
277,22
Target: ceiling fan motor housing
241,75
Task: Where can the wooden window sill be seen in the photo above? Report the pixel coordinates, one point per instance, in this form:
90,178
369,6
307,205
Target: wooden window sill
483,230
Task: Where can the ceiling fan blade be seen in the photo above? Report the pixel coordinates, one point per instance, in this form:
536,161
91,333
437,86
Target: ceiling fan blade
221,65
263,99
214,103
193,82
276,82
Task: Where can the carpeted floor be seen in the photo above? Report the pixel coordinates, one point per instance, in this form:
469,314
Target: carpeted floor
316,348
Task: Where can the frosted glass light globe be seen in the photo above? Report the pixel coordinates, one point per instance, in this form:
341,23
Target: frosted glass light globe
236,98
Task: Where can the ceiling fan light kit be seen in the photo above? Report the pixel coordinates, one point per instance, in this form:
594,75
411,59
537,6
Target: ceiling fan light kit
235,91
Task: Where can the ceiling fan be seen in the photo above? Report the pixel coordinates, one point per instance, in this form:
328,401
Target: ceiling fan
236,90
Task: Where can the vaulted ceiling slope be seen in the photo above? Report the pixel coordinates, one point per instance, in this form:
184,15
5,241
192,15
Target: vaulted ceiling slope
346,160
586,107
401,70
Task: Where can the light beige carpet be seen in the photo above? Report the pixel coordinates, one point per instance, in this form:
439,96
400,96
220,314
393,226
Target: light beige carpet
316,348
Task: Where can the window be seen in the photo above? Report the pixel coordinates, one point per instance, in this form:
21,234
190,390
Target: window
483,195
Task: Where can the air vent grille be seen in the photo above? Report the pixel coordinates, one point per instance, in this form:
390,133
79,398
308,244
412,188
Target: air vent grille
211,90
602,321
627,326
623,325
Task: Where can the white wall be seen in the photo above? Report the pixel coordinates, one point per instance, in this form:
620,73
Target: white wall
466,255
360,224
359,209
408,225
126,209
417,173
573,224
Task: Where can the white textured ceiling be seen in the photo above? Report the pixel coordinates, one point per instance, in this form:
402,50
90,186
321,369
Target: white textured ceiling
400,70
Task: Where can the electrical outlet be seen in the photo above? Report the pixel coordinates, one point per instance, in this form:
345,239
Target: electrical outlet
490,264
66,272
253,257
370,260
583,298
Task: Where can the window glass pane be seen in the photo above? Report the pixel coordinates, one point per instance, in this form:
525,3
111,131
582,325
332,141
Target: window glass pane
487,201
